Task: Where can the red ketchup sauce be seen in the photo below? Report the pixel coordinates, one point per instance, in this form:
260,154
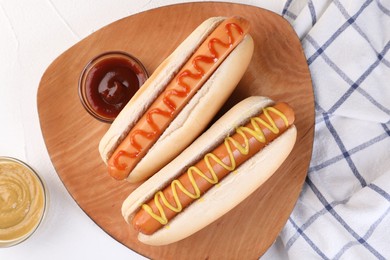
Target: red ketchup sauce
180,91
109,82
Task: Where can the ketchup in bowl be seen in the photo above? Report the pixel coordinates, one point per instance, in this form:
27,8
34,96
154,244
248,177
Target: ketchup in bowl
108,82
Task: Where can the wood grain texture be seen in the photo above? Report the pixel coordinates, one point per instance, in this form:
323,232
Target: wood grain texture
278,70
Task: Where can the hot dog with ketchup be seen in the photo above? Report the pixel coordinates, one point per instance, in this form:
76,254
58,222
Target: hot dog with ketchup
219,170
178,101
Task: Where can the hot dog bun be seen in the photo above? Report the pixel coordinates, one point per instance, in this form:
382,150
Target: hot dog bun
195,116
233,189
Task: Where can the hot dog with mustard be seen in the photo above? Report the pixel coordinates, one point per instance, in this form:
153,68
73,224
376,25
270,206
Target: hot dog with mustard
222,167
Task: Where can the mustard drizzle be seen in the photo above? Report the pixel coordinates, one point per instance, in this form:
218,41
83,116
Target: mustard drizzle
257,133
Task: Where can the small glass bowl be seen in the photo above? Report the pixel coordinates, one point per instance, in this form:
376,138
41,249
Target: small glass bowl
15,179
89,88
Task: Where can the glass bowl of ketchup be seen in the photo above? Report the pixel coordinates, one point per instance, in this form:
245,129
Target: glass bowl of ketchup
108,82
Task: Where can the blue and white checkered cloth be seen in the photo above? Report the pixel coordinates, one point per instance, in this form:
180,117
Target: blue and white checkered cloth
344,209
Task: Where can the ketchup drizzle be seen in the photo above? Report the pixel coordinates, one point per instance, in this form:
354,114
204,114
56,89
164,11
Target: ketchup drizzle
182,91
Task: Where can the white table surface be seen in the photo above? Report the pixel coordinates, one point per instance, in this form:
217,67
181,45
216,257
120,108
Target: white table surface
33,34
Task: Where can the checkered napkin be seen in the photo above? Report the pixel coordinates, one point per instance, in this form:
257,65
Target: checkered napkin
344,209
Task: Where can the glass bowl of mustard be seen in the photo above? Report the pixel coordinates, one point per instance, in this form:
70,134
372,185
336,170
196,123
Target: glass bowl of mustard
108,82
23,201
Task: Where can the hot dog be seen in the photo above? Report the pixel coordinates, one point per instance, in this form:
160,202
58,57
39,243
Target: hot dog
221,168
178,101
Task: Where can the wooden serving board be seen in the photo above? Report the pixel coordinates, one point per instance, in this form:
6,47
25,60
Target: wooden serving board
278,70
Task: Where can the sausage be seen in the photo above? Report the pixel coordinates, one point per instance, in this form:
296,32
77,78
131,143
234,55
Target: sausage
243,144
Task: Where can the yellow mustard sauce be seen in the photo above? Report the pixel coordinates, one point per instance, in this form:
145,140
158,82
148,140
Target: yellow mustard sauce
22,201
257,133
